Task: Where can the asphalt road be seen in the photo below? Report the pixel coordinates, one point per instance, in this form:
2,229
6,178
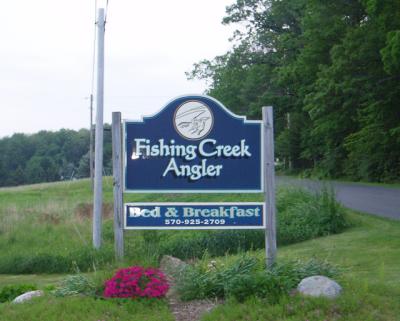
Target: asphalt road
376,200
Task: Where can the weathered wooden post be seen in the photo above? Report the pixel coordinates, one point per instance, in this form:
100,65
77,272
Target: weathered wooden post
117,180
269,185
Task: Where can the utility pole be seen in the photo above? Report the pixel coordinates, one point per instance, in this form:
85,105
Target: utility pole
98,160
91,144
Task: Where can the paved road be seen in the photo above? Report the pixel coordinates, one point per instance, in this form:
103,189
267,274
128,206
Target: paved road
381,201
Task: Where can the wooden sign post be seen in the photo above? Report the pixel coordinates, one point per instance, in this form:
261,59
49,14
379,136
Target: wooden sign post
117,182
269,185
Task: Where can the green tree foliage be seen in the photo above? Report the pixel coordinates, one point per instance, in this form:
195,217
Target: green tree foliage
48,156
330,69
41,169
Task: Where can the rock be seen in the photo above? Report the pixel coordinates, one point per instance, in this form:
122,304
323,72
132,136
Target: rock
172,266
318,286
28,296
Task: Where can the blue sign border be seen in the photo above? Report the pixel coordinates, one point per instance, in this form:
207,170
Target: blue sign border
196,227
200,191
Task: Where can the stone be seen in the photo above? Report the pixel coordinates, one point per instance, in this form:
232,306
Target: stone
28,296
172,266
319,286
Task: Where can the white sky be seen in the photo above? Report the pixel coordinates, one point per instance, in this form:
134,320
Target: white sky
46,53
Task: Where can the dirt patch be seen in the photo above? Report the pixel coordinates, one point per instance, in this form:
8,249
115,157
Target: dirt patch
50,218
84,211
192,310
189,310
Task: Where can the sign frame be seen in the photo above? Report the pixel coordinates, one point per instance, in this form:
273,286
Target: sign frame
194,191
197,227
267,181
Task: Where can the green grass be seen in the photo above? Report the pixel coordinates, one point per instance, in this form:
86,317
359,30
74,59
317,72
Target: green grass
395,185
353,305
46,228
46,218
49,225
85,308
369,255
40,280
370,250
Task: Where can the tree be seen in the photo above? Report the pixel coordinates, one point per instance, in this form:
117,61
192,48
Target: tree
47,156
330,69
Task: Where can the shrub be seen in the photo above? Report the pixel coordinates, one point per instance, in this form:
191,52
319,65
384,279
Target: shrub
84,258
248,277
212,280
302,215
10,292
136,281
186,245
75,285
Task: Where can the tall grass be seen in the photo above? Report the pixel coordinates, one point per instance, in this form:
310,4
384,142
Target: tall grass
46,228
368,255
247,276
301,216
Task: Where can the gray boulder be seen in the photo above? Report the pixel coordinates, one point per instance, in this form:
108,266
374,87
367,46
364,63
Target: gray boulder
27,296
318,286
172,266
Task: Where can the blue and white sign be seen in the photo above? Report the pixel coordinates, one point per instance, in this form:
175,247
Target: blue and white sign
194,216
194,144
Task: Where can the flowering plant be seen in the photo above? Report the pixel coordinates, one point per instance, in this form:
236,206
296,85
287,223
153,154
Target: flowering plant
136,281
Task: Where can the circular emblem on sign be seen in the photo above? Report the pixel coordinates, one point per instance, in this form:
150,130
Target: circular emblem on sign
193,120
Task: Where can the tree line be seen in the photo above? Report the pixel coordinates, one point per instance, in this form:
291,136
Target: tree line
49,156
331,69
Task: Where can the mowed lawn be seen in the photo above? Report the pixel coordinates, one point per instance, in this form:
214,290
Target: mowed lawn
368,254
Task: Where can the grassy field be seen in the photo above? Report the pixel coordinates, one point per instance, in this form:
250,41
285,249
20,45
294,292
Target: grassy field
55,218
369,256
345,180
50,225
88,309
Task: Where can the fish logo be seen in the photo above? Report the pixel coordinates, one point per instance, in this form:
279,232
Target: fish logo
193,120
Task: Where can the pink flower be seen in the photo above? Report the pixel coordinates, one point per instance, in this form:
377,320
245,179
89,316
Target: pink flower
136,281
